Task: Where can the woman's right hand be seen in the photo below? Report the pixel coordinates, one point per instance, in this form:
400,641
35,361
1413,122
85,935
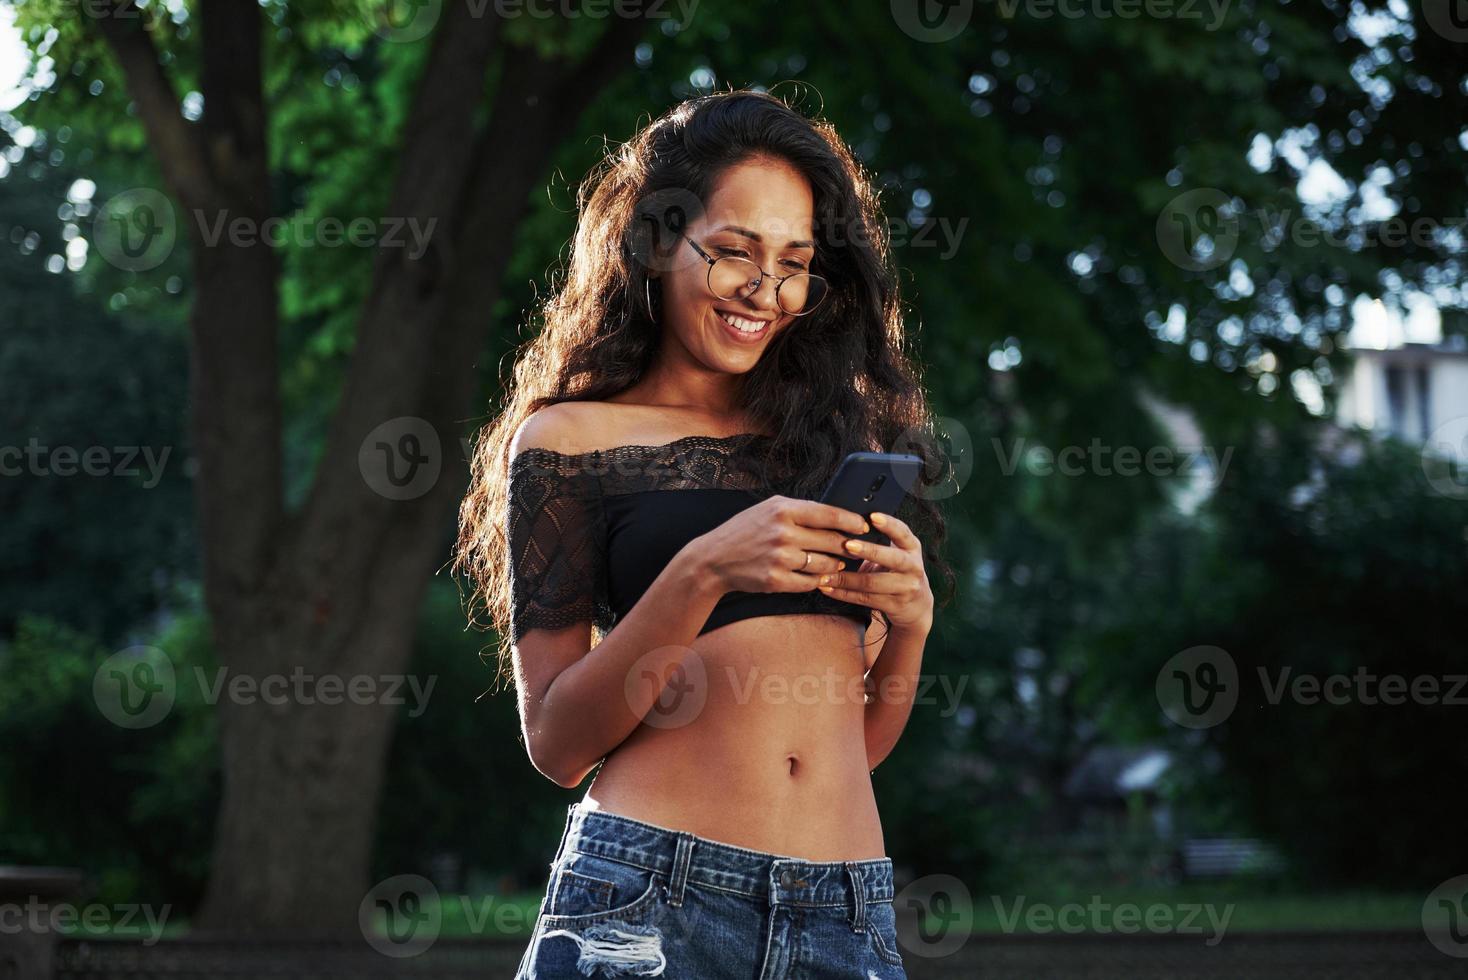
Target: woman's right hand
762,548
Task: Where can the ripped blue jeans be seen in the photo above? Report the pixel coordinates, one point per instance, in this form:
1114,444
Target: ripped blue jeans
631,899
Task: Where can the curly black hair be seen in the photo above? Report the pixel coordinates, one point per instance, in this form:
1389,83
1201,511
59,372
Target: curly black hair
839,381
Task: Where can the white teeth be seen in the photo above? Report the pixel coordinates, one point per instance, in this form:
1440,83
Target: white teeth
741,324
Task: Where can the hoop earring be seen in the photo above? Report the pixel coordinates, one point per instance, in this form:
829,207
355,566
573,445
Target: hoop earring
647,290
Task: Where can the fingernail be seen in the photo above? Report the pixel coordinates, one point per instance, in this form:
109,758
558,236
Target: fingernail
854,546
878,518
824,588
825,580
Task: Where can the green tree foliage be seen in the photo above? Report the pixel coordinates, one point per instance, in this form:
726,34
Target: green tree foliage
1312,565
132,808
1028,163
98,531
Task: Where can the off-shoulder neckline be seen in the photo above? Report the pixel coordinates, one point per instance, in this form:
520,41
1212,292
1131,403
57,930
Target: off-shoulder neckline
736,437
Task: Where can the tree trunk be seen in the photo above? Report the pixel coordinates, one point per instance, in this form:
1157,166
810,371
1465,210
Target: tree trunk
303,777
334,589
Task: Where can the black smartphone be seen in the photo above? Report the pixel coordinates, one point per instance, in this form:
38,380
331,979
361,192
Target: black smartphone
865,482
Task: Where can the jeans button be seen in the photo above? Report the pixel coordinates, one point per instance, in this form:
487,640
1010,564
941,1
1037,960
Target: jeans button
787,878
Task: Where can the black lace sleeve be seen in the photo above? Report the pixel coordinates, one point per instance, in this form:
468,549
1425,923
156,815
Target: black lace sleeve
557,537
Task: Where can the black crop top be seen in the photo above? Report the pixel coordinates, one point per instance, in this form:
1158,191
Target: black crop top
589,532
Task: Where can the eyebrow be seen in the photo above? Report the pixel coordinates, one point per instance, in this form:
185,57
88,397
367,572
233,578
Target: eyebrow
757,237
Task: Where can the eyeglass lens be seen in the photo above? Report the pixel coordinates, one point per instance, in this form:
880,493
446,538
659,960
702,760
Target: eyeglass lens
735,278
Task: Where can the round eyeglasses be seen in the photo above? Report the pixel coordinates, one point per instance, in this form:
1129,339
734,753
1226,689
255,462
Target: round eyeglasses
731,277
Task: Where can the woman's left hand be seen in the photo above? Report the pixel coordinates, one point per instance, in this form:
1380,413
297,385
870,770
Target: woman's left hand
891,578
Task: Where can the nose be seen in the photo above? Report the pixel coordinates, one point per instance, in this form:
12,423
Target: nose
764,297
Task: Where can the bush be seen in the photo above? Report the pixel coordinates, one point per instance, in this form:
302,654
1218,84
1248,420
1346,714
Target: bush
132,808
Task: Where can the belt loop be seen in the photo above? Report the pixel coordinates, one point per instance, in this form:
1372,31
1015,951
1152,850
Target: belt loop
682,859
560,849
565,835
858,899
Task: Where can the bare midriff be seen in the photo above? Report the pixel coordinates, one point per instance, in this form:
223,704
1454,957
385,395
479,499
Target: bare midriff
765,751
768,750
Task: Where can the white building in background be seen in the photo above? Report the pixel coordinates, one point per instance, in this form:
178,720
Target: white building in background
1406,383
1409,391
1404,380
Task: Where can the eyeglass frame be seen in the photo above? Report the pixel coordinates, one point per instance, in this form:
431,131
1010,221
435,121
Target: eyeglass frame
779,280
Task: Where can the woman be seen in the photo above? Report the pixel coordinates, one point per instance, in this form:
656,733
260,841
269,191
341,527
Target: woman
728,330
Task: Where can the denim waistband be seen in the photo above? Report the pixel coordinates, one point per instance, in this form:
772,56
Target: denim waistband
681,857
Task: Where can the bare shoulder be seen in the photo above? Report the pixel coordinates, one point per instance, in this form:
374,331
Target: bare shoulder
566,427
576,427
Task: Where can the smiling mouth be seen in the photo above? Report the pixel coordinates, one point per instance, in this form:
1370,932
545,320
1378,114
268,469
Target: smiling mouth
741,323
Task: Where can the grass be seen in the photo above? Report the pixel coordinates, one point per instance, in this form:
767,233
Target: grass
1238,909
1189,909
1186,909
